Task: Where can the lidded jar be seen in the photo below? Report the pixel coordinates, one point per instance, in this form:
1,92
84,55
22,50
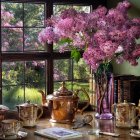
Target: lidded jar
125,114
28,113
64,104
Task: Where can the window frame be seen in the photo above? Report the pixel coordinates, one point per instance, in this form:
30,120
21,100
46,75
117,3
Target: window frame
49,55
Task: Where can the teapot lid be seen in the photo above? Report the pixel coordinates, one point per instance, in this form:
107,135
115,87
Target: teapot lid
2,107
125,103
27,104
63,91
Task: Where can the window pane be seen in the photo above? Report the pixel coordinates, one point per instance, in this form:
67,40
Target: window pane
12,39
62,70
59,8
21,82
33,95
12,73
34,15
31,40
76,75
81,70
35,74
12,14
12,96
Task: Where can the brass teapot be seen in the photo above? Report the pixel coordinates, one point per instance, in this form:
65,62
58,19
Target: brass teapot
28,113
63,104
125,114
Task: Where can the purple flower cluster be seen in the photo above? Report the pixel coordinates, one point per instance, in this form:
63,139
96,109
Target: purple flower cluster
104,35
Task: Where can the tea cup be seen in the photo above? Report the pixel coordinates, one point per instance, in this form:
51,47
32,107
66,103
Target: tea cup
10,127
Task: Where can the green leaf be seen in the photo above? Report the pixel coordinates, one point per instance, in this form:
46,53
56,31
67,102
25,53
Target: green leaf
64,40
75,55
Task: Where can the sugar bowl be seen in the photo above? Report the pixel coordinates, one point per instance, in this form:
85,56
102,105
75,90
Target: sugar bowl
29,113
125,114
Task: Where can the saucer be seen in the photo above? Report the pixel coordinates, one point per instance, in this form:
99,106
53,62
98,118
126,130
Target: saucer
21,135
135,133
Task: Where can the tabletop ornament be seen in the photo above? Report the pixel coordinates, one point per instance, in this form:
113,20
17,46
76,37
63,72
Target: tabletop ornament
81,122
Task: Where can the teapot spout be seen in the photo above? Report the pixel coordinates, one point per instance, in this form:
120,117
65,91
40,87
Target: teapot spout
44,101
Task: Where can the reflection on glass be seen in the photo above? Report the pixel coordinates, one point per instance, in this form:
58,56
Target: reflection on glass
31,40
12,39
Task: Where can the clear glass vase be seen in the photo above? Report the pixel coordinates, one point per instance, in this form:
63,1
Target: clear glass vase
104,94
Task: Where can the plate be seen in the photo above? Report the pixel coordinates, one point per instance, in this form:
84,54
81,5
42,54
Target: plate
21,135
135,133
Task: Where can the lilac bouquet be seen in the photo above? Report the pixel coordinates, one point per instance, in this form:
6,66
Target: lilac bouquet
104,35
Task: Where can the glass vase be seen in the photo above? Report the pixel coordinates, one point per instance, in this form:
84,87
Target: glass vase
104,95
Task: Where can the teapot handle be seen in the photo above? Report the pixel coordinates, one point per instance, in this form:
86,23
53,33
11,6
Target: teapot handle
41,111
88,99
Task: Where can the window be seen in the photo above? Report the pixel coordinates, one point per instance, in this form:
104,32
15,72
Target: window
26,65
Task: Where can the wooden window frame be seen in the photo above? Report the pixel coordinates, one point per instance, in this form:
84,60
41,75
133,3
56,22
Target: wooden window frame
49,55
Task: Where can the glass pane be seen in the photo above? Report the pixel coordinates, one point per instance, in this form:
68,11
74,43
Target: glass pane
31,39
35,74
34,80
34,15
12,39
21,82
59,8
12,73
62,70
33,95
11,14
81,70
12,96
81,74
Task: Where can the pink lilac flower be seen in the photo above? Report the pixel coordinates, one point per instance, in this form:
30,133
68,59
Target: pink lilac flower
47,34
104,35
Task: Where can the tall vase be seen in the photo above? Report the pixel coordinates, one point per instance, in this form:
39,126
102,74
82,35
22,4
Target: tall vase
104,94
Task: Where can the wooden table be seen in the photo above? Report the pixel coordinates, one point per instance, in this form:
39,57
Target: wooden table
103,125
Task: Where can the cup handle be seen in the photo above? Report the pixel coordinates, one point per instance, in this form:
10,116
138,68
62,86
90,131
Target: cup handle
88,99
41,111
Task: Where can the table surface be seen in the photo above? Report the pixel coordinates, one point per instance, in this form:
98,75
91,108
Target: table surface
103,125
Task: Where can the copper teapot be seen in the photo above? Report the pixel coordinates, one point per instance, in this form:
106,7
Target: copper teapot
125,114
28,113
63,104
